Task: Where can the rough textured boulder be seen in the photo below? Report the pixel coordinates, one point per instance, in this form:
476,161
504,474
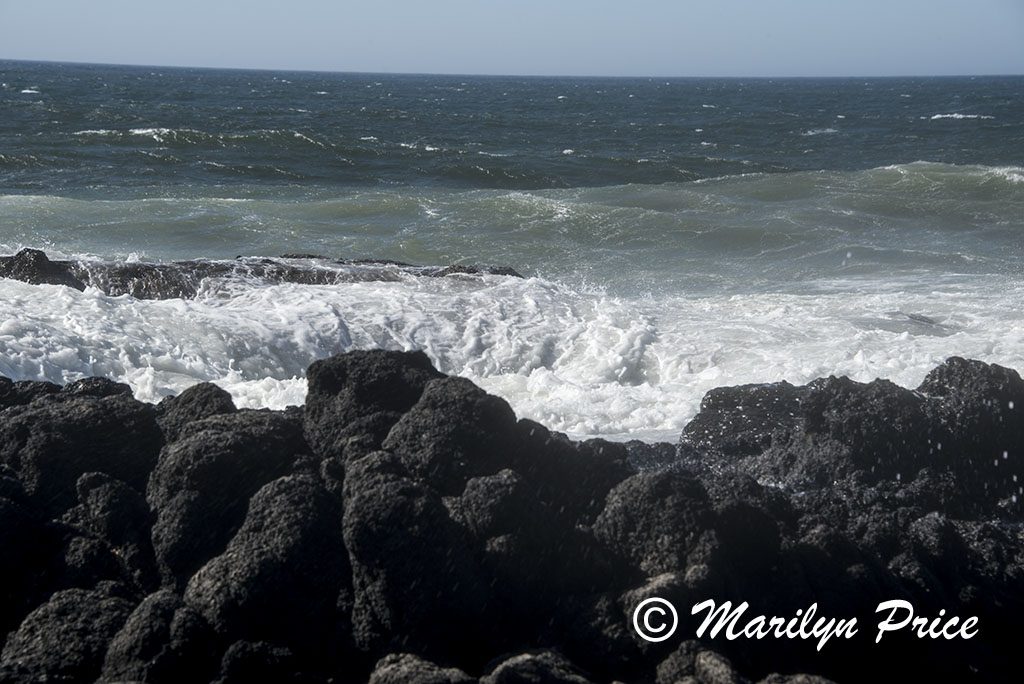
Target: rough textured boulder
161,641
574,477
445,453
66,638
248,661
404,526
33,266
23,391
51,442
201,485
279,579
96,387
361,395
198,401
536,668
119,516
24,546
407,668
410,564
658,522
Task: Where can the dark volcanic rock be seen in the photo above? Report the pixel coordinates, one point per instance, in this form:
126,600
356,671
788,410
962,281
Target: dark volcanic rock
536,668
96,387
574,477
981,409
812,435
201,486
53,441
454,432
361,394
33,266
120,517
657,521
260,661
407,668
408,519
199,401
23,391
184,279
24,547
162,641
280,577
64,639
472,270
523,545
964,420
410,564
657,456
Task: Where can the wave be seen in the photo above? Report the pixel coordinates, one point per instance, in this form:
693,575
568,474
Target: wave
576,359
687,236
958,116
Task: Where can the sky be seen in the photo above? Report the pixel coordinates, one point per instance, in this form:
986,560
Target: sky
530,37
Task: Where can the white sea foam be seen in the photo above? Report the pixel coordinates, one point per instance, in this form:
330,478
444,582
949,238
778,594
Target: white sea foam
819,131
578,361
306,138
1014,174
956,115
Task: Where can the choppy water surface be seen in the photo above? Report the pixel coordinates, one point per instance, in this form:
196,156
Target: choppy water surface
675,235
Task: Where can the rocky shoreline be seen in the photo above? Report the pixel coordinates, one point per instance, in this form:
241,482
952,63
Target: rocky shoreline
405,526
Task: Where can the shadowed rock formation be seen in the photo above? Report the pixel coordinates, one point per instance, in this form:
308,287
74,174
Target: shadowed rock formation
405,526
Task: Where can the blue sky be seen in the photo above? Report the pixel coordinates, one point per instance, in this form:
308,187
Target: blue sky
549,37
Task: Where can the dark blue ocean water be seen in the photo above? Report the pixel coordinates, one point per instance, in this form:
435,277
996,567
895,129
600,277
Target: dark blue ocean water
676,234
82,128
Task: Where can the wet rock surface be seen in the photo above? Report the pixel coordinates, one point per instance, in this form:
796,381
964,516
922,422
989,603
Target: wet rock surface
184,279
406,526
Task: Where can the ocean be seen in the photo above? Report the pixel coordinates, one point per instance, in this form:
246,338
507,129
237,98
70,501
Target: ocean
673,235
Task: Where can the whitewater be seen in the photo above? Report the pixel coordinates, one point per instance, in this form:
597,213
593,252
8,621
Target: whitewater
671,236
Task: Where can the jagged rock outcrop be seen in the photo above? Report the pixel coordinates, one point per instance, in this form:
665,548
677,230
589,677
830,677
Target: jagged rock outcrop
406,526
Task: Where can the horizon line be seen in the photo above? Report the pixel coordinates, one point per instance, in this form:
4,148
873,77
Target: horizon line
500,75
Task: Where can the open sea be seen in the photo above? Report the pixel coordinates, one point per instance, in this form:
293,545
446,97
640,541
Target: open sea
674,235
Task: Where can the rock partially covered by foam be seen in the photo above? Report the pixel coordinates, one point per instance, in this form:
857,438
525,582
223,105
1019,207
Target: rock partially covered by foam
406,526
33,266
185,279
